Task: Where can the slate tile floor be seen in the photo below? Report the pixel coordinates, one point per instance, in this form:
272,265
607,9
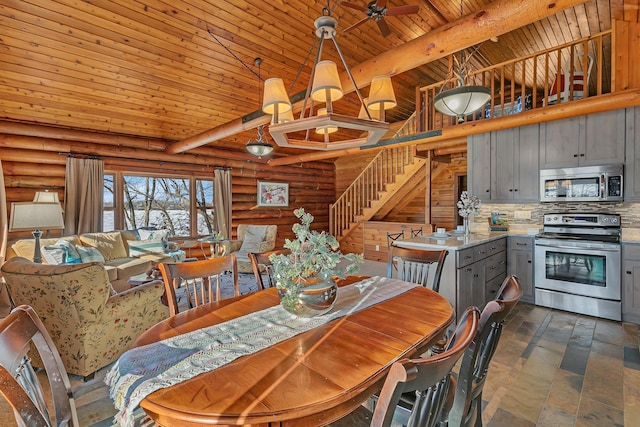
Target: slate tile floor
554,368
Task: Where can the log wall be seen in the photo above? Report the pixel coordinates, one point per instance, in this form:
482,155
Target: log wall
443,197
33,159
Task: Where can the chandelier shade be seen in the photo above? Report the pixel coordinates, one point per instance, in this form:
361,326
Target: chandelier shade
260,147
326,83
327,129
462,100
381,95
275,101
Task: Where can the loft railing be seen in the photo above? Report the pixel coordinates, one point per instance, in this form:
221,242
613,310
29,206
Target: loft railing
548,77
367,187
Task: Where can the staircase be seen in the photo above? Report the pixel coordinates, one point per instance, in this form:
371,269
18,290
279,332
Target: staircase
373,188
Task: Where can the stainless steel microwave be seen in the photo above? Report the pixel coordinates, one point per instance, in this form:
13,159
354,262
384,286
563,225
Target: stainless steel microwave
582,184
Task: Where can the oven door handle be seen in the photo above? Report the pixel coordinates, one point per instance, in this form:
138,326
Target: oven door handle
601,248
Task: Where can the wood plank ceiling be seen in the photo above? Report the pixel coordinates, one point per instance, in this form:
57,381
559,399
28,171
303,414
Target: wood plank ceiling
171,69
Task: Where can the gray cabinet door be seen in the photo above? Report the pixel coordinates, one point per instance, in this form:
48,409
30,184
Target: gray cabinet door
631,283
632,165
526,181
479,165
504,167
520,263
559,142
471,287
603,142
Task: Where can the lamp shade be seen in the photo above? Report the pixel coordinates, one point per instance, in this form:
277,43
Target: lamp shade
287,116
259,148
325,130
326,82
462,100
275,97
32,216
46,197
381,95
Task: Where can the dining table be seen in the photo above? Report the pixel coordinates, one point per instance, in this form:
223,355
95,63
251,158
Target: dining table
309,379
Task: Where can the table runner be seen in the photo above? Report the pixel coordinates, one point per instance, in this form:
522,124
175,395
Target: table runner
143,370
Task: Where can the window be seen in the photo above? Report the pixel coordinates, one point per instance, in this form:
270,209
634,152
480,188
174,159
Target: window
108,197
182,205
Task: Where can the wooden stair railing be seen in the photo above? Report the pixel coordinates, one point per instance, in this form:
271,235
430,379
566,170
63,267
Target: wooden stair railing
529,82
371,187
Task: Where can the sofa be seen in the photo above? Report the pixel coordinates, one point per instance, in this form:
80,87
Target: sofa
123,253
89,324
251,238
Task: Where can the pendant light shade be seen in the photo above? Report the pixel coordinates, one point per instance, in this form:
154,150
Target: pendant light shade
326,82
325,129
276,100
260,147
462,100
381,95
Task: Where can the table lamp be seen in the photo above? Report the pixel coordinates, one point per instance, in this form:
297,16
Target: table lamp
36,217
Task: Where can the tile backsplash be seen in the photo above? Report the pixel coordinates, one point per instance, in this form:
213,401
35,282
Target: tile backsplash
629,212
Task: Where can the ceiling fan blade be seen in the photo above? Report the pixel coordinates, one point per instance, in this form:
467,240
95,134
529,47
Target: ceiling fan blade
353,6
381,3
384,28
402,10
357,24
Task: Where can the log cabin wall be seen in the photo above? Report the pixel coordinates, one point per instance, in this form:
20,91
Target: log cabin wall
443,191
33,160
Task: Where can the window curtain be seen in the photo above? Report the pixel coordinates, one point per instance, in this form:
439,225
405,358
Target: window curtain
222,202
83,196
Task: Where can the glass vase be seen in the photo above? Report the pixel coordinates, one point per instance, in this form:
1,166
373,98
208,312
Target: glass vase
465,225
314,298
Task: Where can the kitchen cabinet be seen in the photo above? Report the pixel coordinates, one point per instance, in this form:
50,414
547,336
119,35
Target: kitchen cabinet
520,263
591,140
479,269
631,282
479,165
514,160
632,165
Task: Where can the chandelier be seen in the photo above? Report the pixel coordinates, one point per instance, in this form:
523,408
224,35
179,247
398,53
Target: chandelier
463,99
324,88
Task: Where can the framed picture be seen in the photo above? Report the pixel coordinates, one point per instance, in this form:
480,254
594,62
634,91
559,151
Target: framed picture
273,193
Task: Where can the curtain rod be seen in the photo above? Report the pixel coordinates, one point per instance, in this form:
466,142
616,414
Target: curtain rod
161,162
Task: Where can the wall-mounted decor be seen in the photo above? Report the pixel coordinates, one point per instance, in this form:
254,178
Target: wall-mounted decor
273,193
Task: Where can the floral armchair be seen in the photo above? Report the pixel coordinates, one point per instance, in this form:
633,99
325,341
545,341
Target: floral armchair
89,323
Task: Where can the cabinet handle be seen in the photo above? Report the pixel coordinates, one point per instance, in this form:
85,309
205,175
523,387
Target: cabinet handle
515,189
487,191
628,272
529,261
511,189
575,155
520,244
581,155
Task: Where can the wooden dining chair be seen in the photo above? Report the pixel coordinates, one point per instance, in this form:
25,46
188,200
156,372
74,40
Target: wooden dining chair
202,280
22,332
417,265
427,379
466,409
260,261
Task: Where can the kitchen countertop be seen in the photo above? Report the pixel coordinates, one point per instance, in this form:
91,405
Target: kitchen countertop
452,242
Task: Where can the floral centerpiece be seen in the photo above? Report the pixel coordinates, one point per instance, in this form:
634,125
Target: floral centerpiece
314,258
468,205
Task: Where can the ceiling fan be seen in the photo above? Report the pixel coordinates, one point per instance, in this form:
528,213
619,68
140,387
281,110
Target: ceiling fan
377,10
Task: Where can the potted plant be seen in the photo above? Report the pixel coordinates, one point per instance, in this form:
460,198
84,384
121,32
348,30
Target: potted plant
304,278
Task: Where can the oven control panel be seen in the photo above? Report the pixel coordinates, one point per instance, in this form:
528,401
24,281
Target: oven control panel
586,219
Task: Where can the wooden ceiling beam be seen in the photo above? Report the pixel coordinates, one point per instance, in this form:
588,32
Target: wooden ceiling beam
450,135
497,18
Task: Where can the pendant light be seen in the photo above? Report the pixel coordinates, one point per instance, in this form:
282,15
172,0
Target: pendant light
261,147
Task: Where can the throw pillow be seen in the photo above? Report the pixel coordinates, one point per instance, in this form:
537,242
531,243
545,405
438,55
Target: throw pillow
54,255
109,244
253,238
155,234
143,247
89,254
72,255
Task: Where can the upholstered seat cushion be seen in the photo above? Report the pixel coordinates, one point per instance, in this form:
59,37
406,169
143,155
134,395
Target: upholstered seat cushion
127,267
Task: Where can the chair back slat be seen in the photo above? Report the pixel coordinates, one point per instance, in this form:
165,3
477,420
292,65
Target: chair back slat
420,266
202,280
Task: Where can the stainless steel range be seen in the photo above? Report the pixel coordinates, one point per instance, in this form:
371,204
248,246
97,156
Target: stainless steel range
577,264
